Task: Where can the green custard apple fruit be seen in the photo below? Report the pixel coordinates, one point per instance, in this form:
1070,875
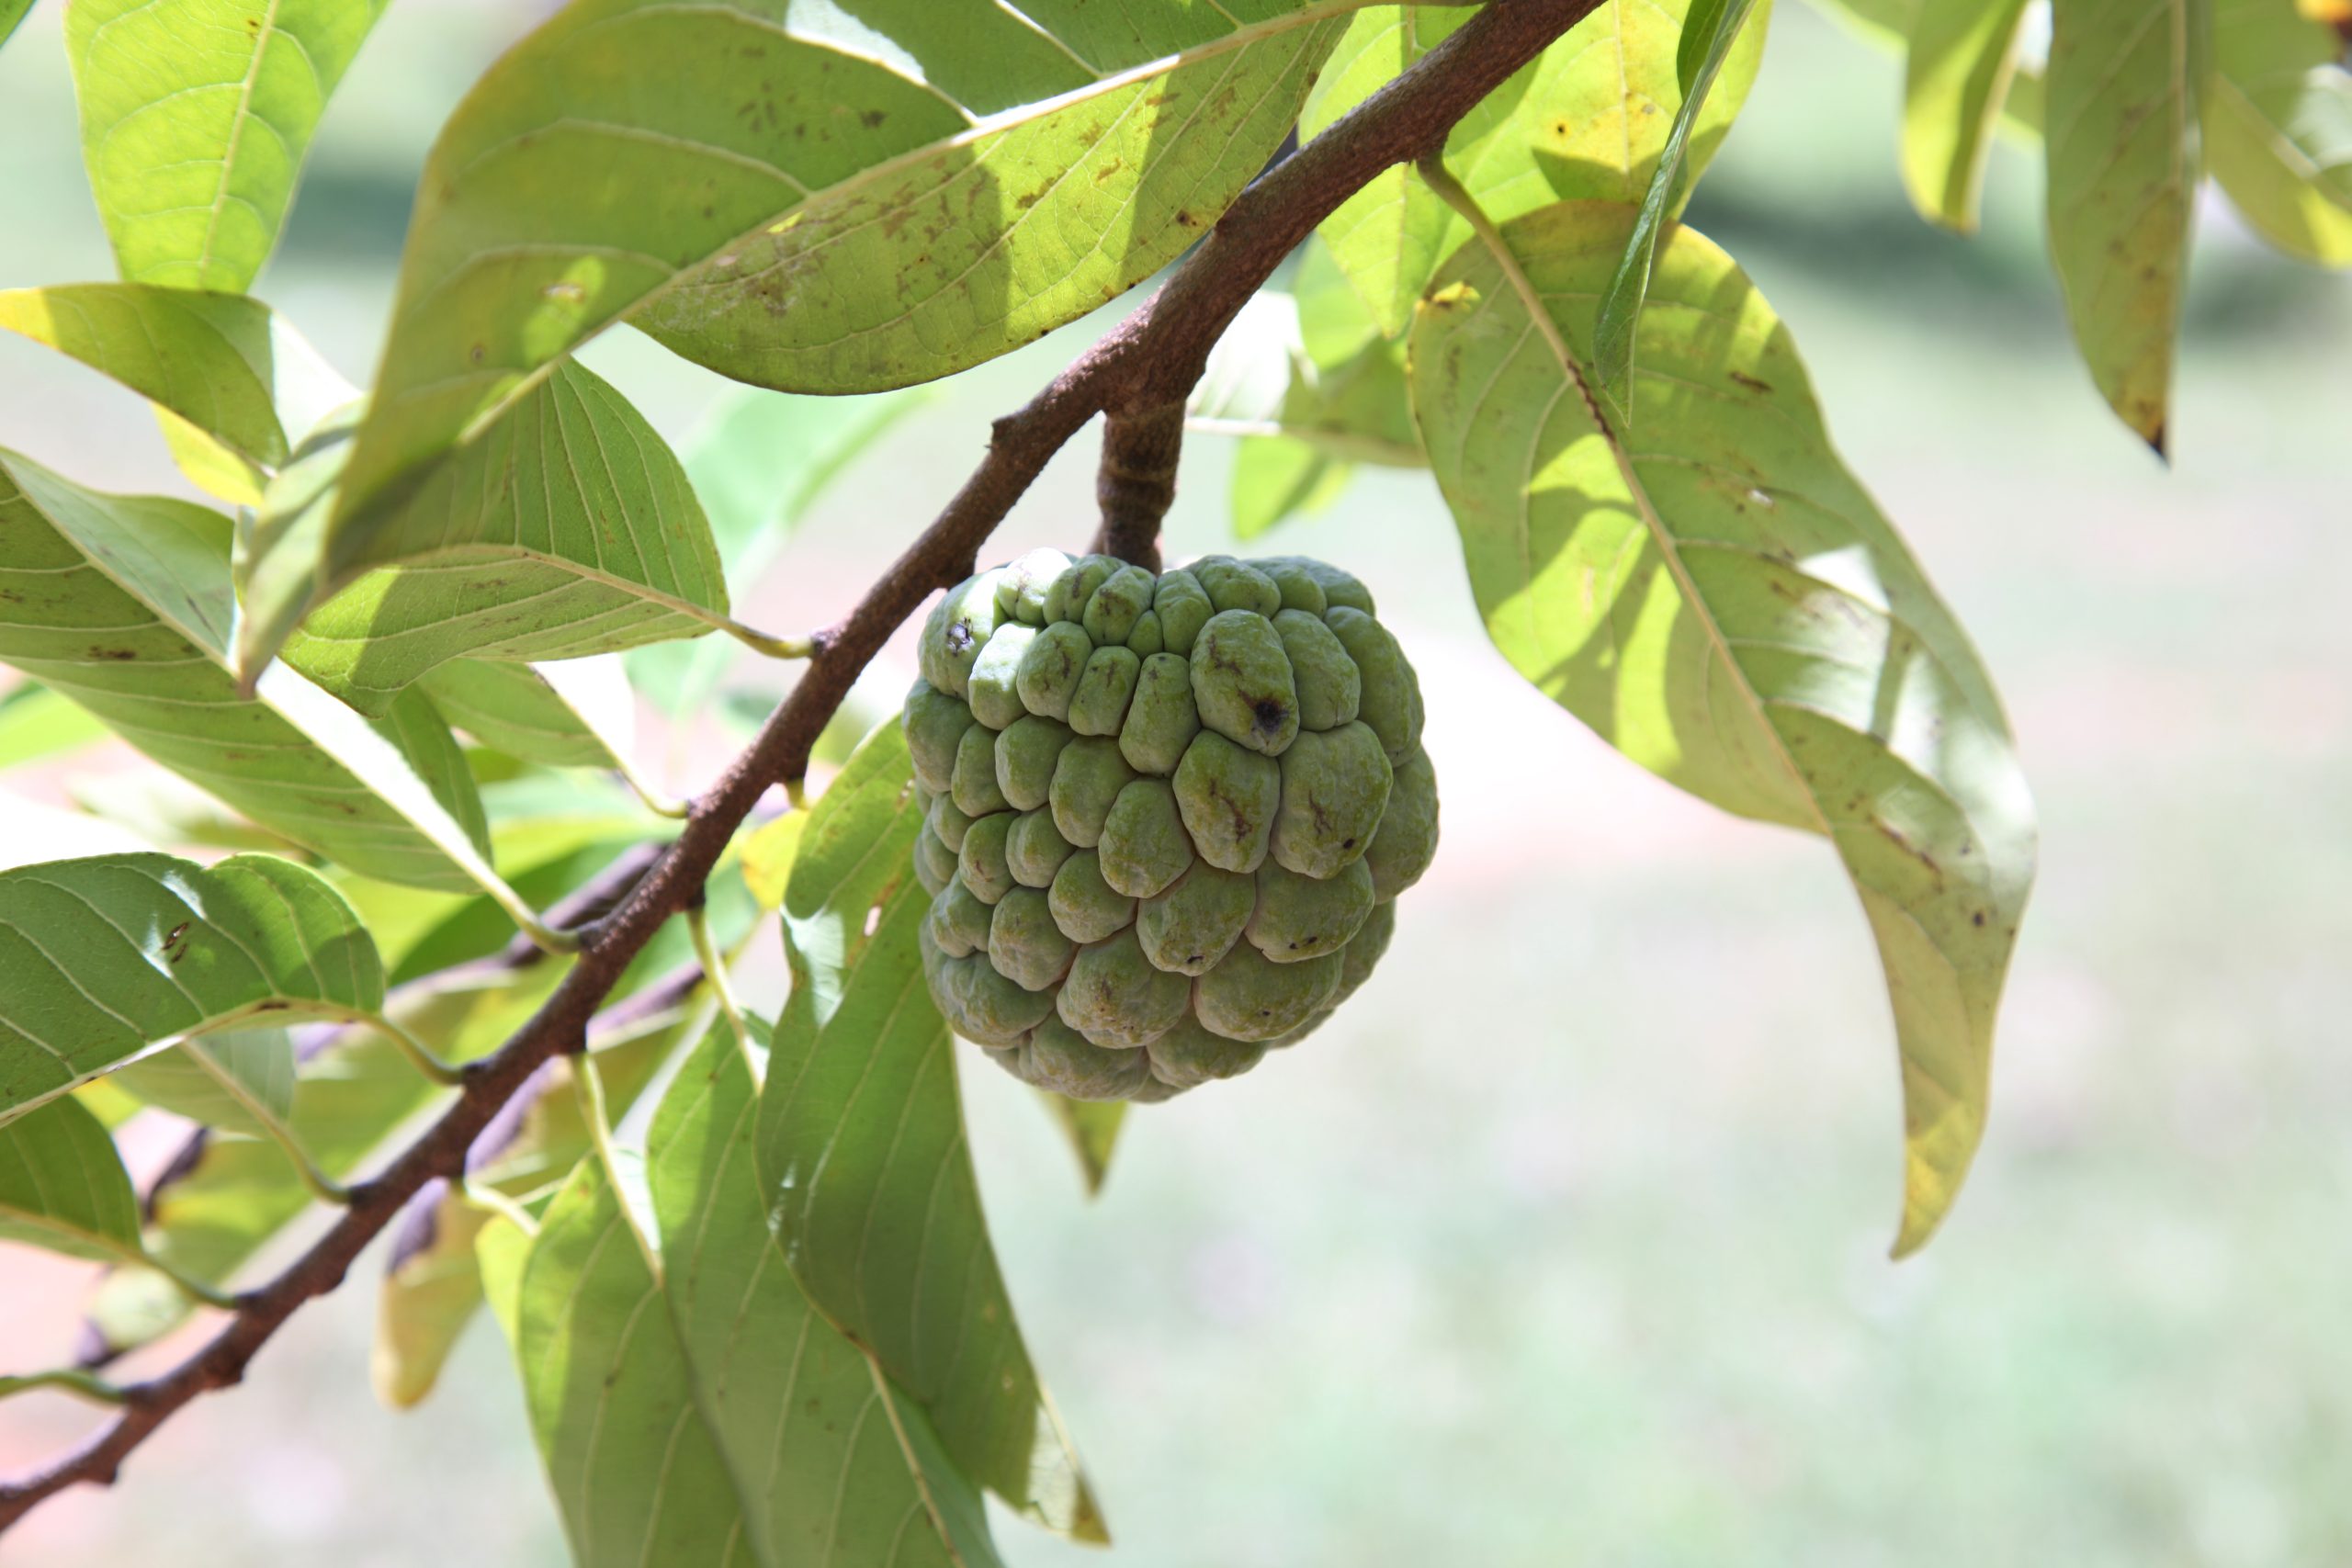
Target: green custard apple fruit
1165,816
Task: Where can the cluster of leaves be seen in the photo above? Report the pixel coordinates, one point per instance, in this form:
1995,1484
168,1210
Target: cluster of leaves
769,1327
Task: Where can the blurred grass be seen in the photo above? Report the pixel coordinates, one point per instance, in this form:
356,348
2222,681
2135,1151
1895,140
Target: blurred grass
1565,1244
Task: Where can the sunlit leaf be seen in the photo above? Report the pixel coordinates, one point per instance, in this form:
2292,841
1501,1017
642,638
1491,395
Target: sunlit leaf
769,851
2122,155
577,714
862,1150
1718,598
108,956
830,1463
195,114
235,1080
568,529
229,369
1702,53
696,169
1962,56
123,605
63,1186
2278,124
1587,120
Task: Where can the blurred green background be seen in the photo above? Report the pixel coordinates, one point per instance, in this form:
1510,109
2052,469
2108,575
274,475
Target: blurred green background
1566,1243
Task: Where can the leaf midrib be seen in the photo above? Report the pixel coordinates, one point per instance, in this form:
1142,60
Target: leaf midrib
872,175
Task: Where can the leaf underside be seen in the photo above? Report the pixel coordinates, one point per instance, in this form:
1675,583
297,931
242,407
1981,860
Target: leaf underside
862,1150
123,603
2123,153
108,956
1719,598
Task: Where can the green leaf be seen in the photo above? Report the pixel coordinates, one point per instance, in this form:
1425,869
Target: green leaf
237,1080
758,462
432,1286
1716,28
2122,153
227,1199
636,1475
1962,56
108,956
63,1186
1724,603
2278,123
35,722
696,169
1586,121
11,13
195,114
862,1150
123,605
577,714
1093,1128
832,1463
1305,418
568,529
232,371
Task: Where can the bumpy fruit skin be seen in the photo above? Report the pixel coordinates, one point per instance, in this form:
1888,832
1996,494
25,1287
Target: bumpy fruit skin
1166,818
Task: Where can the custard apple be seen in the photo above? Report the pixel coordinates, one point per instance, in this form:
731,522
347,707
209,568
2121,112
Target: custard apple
1165,816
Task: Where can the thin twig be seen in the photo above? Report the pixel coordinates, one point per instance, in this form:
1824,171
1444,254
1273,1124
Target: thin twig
1148,362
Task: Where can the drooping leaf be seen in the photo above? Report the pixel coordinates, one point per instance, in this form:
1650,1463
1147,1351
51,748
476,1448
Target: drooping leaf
233,373
234,1081
637,1477
568,529
1705,45
1587,120
123,605
1719,598
758,462
577,714
108,956
2277,124
695,168
1962,56
2122,151
35,722
830,1463
862,1150
63,1186
1093,1128
195,114
431,1289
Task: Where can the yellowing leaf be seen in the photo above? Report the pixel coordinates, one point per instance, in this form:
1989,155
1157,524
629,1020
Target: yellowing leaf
1717,597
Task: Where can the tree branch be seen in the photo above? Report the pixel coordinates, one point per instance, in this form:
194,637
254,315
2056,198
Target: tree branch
1144,367
1137,480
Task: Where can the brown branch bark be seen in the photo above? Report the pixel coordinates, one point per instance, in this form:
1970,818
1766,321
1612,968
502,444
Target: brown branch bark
1145,365
1136,481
